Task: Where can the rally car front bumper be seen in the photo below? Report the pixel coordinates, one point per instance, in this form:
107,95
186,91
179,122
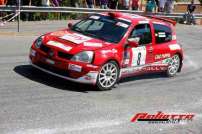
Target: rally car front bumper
87,75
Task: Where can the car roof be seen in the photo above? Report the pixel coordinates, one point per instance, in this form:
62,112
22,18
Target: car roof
126,16
134,18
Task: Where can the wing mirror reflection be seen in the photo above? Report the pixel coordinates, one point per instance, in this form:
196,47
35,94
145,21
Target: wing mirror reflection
133,42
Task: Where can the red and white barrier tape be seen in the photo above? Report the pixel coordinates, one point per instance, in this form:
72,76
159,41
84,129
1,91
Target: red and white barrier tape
1,18
4,22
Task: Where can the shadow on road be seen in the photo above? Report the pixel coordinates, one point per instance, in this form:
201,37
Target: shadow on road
38,76
144,76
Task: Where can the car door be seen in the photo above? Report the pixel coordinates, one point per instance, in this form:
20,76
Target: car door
135,58
163,38
141,55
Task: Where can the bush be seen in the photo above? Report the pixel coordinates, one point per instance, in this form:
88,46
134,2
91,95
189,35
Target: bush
52,16
200,1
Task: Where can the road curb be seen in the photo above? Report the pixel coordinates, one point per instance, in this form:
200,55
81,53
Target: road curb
18,34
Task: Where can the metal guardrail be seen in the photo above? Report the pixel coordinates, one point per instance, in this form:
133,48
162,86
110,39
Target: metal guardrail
19,9
83,10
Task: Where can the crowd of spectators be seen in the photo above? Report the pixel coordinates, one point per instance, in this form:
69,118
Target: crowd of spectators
151,5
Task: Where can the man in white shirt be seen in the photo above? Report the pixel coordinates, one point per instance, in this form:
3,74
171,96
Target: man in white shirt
162,5
126,4
45,3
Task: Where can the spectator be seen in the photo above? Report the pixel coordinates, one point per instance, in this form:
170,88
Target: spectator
189,17
113,4
157,5
45,3
126,4
151,6
135,4
11,2
161,5
191,7
169,6
103,4
56,3
26,2
120,4
82,3
3,2
75,3
26,16
36,2
90,3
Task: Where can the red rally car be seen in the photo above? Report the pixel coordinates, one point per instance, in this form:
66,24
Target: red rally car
104,48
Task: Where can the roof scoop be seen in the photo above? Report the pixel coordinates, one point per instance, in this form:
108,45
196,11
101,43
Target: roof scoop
115,14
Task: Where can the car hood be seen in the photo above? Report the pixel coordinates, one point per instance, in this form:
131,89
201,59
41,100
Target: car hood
72,42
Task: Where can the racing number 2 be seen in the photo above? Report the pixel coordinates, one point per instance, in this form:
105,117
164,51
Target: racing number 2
139,56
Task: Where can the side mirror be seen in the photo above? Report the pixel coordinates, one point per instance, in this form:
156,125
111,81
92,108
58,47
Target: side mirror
70,25
134,42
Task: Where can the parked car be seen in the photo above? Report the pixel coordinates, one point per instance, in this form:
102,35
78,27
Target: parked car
106,47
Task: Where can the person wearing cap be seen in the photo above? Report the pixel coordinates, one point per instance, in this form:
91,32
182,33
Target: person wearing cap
188,16
3,2
135,4
90,3
103,4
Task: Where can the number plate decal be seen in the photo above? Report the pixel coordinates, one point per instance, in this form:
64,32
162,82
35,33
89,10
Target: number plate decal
139,56
50,61
74,67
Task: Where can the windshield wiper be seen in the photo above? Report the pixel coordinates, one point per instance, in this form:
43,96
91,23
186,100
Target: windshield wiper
78,29
99,37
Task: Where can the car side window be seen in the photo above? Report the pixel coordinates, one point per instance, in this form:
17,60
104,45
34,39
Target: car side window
163,33
144,32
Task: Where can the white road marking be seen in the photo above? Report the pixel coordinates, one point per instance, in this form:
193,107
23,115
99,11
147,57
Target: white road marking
76,127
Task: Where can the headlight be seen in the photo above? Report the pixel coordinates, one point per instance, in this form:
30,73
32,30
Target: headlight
86,56
39,41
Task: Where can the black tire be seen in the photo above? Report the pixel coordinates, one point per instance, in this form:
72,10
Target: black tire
108,76
174,66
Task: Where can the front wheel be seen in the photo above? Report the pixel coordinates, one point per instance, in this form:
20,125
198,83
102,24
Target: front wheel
108,76
173,66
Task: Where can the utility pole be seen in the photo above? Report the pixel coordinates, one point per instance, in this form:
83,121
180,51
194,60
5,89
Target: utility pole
19,4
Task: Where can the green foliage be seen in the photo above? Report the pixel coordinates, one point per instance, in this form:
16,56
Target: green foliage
53,16
66,3
200,1
63,3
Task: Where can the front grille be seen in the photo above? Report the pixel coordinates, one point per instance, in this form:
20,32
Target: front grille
62,55
65,55
53,69
45,48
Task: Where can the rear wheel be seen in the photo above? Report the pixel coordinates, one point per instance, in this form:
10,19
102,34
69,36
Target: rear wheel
173,66
108,76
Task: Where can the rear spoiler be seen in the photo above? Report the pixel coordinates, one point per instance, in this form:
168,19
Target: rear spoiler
163,19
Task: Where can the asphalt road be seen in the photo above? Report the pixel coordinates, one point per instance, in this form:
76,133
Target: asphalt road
32,102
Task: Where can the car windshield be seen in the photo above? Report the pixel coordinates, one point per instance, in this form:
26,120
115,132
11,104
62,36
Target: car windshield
104,28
